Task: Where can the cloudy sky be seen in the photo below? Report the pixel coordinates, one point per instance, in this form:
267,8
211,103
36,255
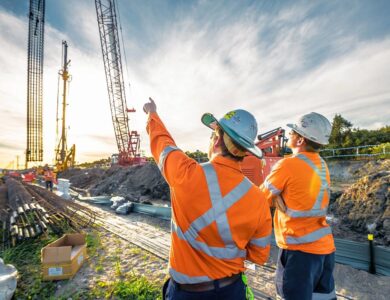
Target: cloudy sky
277,59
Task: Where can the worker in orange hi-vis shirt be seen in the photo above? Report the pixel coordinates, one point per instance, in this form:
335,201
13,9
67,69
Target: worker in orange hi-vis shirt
299,188
49,178
219,218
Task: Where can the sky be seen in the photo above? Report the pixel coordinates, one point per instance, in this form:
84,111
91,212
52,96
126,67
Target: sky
276,59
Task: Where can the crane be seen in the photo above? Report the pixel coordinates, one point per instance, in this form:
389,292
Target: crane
34,151
63,157
128,142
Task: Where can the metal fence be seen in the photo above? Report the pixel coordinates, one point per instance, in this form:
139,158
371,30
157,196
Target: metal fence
358,151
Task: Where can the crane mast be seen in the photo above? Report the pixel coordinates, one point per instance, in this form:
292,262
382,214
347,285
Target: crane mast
128,142
34,151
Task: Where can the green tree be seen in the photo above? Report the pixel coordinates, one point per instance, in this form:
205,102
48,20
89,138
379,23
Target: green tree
341,132
199,156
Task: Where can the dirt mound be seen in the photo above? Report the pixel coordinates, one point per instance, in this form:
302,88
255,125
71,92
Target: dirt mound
366,203
350,170
141,183
83,178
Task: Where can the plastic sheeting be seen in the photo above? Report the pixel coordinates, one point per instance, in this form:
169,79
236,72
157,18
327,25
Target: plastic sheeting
8,275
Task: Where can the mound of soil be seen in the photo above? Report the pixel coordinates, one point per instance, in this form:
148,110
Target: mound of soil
366,204
140,183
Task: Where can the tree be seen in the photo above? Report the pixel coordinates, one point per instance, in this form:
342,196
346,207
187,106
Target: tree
199,156
341,132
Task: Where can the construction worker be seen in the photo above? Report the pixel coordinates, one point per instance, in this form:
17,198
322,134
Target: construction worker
49,178
299,187
219,218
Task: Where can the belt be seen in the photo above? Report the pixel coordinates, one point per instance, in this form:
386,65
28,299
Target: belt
209,285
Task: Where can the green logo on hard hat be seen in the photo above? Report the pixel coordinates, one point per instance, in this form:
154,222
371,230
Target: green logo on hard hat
229,115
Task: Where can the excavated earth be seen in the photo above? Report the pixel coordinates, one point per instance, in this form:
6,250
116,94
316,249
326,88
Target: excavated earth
359,193
142,183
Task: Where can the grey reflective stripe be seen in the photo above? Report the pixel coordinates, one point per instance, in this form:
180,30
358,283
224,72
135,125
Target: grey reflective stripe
216,213
308,238
316,210
216,200
321,296
261,242
228,252
271,188
163,156
183,278
306,213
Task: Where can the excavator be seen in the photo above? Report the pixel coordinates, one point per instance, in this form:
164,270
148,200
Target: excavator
273,146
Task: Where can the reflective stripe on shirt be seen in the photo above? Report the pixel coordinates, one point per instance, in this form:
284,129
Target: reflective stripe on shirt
163,156
308,238
261,242
183,278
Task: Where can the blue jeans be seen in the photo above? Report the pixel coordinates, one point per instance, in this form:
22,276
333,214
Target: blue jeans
305,276
234,291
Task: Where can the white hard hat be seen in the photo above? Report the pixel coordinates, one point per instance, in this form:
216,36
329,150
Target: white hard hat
239,125
313,126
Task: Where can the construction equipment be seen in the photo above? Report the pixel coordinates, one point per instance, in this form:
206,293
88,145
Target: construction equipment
34,151
64,158
273,146
128,142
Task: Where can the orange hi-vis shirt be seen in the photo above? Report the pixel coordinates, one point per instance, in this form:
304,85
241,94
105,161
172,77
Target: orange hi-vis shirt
49,175
303,181
219,218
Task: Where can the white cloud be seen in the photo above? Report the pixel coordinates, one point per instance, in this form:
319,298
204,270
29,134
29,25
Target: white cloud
196,68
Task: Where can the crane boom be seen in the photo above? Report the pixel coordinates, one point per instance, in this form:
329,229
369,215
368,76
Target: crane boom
34,151
127,141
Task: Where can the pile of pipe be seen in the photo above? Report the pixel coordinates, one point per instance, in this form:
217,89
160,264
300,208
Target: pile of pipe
32,210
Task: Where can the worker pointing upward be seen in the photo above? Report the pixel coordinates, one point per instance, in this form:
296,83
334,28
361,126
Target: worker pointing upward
219,218
299,186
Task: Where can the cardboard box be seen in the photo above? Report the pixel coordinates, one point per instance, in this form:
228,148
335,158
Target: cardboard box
62,258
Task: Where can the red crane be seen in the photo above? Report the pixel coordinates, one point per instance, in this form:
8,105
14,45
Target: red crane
128,141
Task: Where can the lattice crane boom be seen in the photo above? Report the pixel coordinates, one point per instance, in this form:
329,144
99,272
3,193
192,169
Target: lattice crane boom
127,141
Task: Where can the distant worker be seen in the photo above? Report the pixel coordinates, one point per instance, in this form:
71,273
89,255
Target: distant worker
49,178
219,217
299,187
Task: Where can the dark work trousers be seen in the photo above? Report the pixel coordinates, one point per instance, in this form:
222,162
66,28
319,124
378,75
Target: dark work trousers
305,276
49,185
234,291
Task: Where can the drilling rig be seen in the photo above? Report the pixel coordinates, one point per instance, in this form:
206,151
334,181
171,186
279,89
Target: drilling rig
34,151
128,142
64,158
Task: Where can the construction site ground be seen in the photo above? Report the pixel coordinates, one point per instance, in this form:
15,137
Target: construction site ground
137,246
119,255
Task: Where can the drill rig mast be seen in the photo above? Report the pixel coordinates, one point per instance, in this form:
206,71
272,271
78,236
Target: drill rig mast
34,151
64,159
128,142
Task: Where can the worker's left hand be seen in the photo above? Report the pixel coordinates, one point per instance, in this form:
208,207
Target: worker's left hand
150,107
279,203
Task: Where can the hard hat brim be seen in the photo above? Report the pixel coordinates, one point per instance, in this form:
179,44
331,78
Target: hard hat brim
208,120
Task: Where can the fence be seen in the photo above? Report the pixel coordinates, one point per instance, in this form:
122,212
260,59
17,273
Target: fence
359,151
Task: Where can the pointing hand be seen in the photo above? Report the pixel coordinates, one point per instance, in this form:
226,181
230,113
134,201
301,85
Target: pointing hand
150,107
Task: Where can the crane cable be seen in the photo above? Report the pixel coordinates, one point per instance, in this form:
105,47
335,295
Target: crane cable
123,44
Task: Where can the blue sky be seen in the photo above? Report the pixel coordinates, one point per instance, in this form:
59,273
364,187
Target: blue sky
277,59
